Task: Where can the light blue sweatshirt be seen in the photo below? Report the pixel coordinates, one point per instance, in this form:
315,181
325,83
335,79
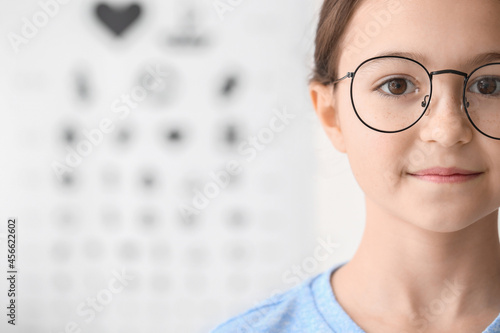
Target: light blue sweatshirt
308,307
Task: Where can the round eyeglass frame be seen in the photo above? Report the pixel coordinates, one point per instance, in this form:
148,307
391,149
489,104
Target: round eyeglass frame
427,98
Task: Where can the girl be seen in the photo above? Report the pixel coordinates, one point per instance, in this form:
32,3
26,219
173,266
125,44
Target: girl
410,91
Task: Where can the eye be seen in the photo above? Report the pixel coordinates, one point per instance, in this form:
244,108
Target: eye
397,86
486,86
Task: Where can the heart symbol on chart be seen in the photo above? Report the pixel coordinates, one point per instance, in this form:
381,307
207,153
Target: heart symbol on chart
118,20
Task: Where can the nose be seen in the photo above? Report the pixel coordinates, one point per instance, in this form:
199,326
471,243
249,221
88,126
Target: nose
445,120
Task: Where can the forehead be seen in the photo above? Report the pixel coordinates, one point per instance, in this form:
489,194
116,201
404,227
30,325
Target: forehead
445,33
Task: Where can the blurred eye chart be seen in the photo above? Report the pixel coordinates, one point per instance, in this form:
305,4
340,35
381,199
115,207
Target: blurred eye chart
158,161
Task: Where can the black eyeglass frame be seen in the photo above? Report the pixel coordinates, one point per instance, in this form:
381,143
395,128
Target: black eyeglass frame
427,98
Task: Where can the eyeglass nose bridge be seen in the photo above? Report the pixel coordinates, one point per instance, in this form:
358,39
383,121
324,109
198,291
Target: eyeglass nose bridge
445,71
448,71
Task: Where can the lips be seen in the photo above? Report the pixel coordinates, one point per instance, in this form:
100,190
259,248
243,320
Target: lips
446,175
438,171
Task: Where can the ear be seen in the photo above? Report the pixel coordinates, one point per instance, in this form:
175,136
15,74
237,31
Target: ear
323,101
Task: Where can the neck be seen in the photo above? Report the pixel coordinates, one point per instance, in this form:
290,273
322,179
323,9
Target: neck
430,274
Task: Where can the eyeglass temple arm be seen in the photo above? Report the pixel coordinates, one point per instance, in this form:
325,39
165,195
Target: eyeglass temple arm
348,75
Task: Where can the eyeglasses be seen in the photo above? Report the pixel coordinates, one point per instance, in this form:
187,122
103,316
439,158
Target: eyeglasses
390,94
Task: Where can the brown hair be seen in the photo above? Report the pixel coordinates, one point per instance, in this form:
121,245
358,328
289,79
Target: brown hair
334,16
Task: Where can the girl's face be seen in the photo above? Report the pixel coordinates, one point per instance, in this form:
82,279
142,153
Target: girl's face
447,34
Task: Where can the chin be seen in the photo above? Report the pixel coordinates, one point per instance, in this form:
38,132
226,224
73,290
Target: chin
443,223
445,228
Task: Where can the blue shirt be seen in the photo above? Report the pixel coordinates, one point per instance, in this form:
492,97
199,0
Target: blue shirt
308,307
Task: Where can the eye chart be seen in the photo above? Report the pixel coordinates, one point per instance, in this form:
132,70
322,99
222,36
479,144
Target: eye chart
158,159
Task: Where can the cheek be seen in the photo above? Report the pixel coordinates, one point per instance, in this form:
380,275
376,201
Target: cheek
376,161
379,162
376,158
492,152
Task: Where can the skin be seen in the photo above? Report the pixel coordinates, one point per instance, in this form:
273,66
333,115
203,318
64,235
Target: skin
420,235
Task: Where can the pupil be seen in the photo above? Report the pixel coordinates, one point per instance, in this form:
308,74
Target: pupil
487,86
398,86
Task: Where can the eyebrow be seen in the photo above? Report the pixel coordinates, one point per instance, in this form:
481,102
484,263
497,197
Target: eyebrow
480,59
484,58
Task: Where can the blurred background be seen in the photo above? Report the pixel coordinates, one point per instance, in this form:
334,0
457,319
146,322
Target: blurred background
164,162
